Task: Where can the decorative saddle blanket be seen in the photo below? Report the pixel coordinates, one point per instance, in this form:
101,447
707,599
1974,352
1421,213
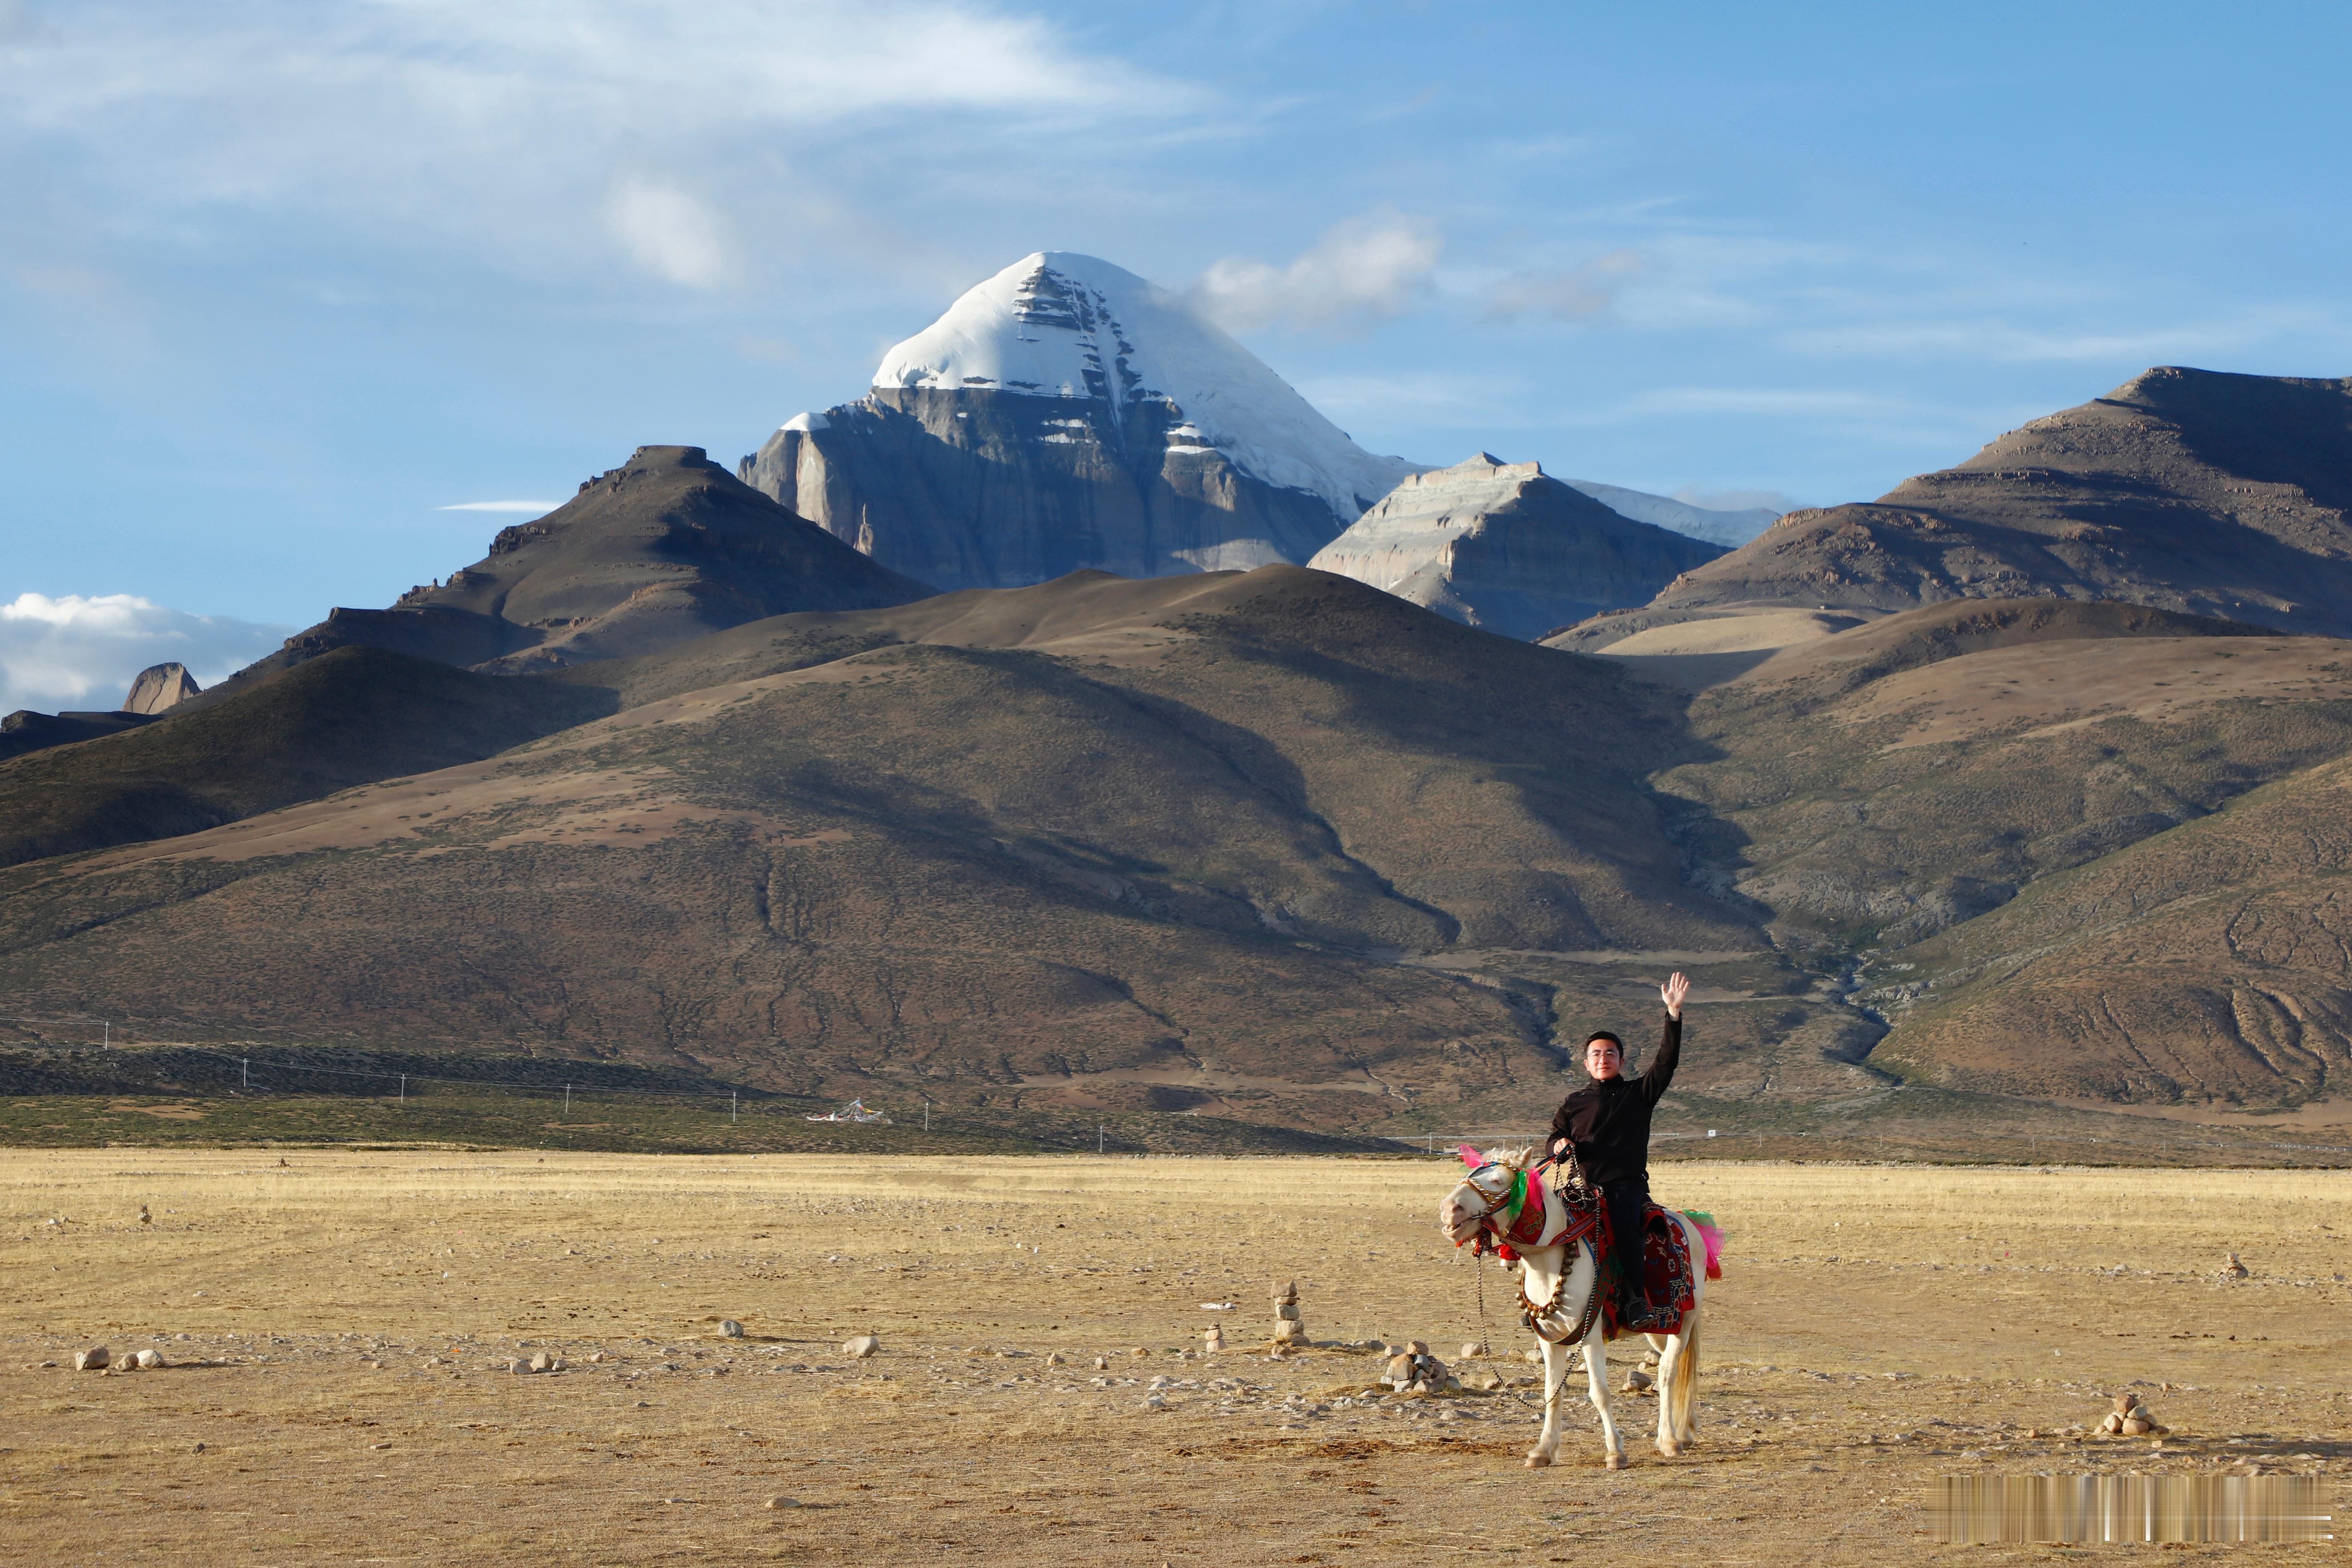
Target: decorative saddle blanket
1669,1287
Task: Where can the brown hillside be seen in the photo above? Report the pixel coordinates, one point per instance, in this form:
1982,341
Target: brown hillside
666,548
2208,963
1179,856
1880,797
2186,490
352,716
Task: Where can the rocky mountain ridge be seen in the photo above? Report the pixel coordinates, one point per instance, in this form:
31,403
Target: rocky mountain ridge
1507,547
1066,415
664,549
2191,490
1279,846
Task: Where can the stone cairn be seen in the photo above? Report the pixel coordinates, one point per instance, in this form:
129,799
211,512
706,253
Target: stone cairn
1288,1328
1212,1338
2233,1270
2130,1418
1413,1370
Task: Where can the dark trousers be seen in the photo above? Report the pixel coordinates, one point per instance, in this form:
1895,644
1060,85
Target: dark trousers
1628,1203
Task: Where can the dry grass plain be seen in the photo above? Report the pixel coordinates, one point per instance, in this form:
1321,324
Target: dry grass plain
1876,1327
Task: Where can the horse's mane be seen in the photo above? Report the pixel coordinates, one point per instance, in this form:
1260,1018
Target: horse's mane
1512,1159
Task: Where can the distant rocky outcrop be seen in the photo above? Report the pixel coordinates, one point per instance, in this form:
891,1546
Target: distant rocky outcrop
158,687
26,730
666,548
1506,547
1067,414
2191,490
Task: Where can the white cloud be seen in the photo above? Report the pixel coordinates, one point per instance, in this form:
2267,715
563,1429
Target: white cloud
508,130
1576,295
81,652
673,233
533,507
1366,268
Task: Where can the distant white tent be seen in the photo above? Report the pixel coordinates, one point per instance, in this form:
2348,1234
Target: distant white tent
855,1111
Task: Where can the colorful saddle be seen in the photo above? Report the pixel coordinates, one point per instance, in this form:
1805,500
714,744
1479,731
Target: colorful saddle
1669,1284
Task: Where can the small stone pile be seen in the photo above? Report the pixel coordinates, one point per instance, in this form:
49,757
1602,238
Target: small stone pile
2233,1270
2130,1418
1212,1338
1413,1370
1288,1328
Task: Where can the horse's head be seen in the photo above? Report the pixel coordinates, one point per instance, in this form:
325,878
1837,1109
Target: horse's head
1484,1188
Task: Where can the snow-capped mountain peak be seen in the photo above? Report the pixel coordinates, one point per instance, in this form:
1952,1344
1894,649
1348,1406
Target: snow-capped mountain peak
1059,324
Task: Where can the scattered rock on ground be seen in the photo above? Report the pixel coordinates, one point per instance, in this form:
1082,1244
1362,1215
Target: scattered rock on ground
93,1359
861,1347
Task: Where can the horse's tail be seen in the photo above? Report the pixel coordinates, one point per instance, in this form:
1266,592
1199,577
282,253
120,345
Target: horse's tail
1683,1391
1711,1235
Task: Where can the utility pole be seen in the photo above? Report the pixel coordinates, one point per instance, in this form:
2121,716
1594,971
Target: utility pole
1098,1137
245,1070
109,1043
567,1099
731,1095
404,1091
927,1113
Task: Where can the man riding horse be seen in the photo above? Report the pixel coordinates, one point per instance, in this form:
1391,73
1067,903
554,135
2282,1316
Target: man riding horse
1605,1126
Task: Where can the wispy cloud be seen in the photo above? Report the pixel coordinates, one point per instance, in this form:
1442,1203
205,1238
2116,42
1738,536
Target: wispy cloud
1577,294
1769,401
1364,270
1979,338
672,233
534,507
517,131
81,651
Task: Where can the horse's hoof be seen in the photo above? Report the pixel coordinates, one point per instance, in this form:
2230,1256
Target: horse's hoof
1670,1449
1539,1461
1616,1461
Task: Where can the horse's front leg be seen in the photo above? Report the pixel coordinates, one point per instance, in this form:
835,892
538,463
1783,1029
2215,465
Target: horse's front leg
1554,1374
1596,1382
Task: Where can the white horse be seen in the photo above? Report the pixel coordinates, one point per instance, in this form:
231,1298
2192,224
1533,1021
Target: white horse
1561,1289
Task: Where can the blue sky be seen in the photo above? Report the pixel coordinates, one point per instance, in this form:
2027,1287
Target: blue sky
281,281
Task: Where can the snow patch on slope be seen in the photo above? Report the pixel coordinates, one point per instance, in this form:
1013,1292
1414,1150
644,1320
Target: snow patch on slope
1058,324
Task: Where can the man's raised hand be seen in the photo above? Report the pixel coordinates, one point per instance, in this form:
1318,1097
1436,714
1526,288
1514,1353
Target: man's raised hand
1677,987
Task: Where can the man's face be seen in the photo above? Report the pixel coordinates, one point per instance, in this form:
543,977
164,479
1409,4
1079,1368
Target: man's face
1602,1059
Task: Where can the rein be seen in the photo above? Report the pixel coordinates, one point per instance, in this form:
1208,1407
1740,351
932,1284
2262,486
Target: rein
1529,1312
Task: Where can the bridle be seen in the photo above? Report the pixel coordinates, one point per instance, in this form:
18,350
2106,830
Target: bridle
1495,1201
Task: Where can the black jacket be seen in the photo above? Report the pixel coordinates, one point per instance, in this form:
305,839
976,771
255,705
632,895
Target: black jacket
1609,1119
